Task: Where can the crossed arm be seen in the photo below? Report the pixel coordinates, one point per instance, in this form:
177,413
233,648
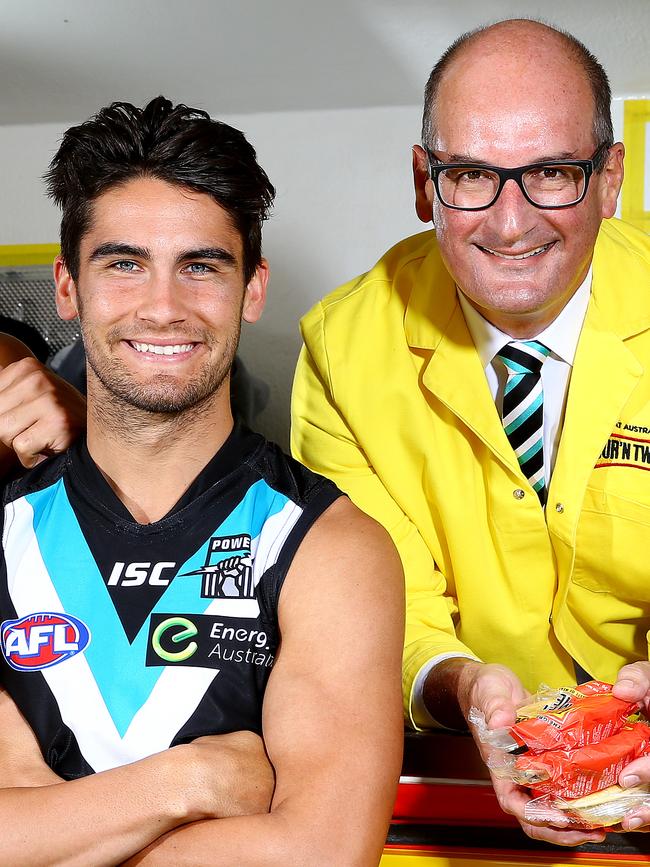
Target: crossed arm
332,731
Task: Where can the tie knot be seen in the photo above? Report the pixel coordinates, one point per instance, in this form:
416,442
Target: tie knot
524,356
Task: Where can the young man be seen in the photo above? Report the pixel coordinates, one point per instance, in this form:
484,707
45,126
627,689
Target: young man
522,524
179,600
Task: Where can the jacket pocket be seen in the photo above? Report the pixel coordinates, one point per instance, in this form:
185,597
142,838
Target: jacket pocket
613,547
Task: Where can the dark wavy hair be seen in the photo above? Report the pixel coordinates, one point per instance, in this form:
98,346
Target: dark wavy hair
173,143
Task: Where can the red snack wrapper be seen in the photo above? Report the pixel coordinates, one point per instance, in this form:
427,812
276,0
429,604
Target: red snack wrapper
574,773
579,716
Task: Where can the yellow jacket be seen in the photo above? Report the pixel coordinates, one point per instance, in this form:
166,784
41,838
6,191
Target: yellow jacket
391,402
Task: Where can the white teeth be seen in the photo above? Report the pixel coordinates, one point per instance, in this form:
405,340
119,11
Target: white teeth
156,349
530,253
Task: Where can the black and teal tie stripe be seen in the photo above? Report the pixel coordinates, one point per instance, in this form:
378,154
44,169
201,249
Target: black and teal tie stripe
523,408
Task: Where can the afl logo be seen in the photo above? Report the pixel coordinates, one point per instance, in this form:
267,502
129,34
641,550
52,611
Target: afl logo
41,640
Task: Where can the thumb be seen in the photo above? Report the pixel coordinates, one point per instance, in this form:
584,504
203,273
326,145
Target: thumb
499,704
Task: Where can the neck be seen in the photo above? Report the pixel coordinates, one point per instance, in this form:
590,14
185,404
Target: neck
150,459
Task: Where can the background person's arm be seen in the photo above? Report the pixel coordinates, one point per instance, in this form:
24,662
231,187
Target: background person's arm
321,439
332,719
11,350
40,413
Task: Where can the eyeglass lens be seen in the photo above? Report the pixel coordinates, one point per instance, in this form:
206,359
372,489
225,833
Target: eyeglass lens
472,187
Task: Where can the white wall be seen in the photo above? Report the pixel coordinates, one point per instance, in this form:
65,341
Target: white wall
344,195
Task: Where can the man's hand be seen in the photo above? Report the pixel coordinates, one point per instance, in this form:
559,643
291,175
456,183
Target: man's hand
497,692
238,777
633,684
40,413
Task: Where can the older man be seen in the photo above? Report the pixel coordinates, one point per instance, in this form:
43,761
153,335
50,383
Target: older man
482,391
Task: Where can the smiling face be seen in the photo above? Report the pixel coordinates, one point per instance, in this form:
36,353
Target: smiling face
160,297
511,98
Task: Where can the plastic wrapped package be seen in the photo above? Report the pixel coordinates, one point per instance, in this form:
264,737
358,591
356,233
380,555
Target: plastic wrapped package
560,719
598,810
569,747
574,773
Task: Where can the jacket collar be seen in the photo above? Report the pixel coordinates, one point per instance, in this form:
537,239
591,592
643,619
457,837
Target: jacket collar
617,244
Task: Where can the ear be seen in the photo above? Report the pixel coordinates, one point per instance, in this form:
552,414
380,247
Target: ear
423,185
611,178
66,291
255,293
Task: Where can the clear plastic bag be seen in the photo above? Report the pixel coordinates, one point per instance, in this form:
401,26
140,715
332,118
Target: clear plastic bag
597,810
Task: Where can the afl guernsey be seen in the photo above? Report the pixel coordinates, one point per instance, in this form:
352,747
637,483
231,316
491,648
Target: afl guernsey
120,639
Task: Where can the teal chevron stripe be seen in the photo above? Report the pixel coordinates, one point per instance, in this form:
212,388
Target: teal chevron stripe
83,593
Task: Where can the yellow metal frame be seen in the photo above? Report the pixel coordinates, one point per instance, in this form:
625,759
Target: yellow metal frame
635,124
27,254
413,858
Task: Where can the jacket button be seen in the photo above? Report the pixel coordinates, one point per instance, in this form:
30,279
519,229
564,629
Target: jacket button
518,494
559,508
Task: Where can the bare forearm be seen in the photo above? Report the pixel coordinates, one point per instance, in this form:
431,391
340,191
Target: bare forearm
102,819
270,840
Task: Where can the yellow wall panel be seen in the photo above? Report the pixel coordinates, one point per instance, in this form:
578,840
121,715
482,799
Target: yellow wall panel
27,254
635,203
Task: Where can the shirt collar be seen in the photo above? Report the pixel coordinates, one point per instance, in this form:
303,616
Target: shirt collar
561,336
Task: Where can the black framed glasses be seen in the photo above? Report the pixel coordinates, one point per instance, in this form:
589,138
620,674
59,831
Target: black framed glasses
551,184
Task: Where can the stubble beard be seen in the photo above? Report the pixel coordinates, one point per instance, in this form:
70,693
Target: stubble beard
122,403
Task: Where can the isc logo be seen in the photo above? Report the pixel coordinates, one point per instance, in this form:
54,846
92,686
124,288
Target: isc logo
137,574
40,640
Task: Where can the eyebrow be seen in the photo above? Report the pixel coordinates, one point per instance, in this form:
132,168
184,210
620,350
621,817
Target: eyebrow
216,254
550,158
113,248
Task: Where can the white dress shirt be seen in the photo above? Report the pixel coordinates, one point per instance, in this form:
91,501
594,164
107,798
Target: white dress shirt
561,337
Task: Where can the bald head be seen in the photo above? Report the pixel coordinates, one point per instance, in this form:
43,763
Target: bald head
517,53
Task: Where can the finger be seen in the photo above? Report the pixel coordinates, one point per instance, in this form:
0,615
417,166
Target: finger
496,700
637,772
633,682
636,820
563,837
17,370
512,798
23,380
15,421
33,445
39,428
498,692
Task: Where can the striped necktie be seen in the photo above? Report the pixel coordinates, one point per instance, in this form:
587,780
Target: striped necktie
523,409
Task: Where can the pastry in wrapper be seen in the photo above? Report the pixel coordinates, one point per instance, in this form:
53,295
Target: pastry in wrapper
596,810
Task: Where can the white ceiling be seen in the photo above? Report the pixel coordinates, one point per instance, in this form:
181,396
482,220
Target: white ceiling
60,60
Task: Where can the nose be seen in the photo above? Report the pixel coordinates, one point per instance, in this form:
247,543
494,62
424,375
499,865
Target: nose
512,216
161,301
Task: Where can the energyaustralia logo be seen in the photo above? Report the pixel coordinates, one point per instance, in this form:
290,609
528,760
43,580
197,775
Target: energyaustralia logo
228,569
42,640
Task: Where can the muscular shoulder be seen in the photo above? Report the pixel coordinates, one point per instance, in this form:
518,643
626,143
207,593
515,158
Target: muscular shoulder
347,556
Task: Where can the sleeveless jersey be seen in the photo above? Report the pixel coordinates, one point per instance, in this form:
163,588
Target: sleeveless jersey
120,639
